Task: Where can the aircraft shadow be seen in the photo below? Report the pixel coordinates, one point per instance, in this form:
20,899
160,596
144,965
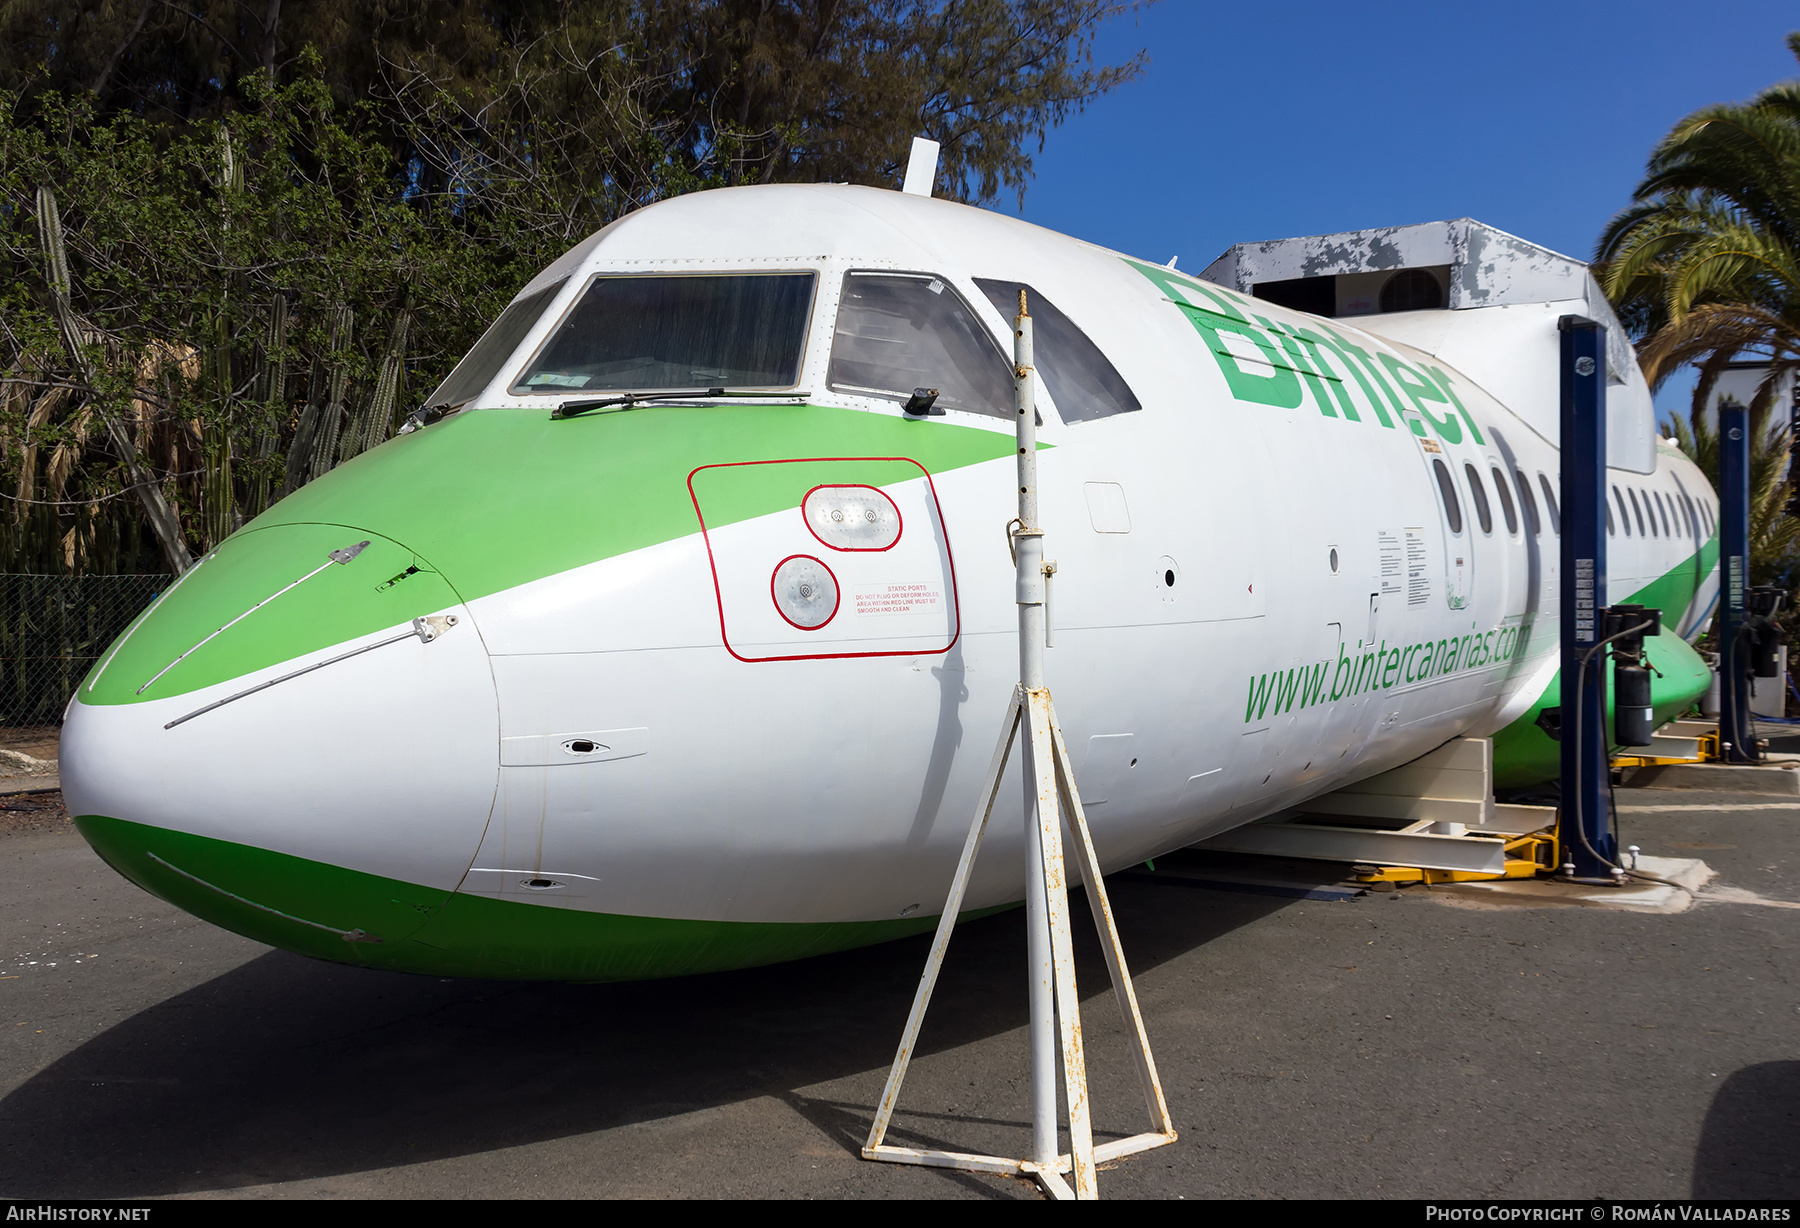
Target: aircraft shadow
286,1069
1750,1140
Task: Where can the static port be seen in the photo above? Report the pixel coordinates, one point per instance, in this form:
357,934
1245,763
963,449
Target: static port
582,746
1163,578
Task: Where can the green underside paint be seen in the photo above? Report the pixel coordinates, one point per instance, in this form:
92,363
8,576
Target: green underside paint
1524,754
307,906
489,500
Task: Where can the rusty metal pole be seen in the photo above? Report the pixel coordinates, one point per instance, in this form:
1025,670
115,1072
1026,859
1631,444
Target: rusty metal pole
1028,581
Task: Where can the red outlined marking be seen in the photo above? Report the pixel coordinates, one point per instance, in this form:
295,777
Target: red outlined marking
899,520
836,588
719,594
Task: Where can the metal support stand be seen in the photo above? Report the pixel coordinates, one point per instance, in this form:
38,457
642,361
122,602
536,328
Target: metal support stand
1050,799
1584,827
1737,725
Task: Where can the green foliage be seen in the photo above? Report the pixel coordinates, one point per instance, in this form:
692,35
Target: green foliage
230,261
182,251
642,98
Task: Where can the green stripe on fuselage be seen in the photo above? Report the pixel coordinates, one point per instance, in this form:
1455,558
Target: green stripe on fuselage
1524,754
309,907
485,501
498,498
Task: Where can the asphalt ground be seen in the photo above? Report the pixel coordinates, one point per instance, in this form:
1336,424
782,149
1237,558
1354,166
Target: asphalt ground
1402,1045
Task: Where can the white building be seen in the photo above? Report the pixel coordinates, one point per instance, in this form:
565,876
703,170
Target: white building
1740,382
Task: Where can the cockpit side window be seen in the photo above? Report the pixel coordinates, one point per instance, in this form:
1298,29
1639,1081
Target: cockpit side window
1085,385
479,366
901,331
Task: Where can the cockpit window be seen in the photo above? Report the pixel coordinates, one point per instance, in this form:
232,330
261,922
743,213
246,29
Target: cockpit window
901,331
482,363
743,330
1085,385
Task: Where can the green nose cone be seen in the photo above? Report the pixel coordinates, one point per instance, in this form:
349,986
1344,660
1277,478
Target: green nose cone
267,595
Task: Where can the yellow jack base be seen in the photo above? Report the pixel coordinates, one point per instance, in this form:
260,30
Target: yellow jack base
1526,857
1706,748
1709,753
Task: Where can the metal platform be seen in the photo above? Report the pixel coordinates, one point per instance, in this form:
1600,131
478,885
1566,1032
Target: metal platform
1436,813
1695,741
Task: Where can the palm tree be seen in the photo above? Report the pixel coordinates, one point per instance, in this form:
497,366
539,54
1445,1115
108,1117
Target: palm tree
1704,269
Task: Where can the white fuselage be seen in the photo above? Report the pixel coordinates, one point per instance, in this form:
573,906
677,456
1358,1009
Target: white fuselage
1225,571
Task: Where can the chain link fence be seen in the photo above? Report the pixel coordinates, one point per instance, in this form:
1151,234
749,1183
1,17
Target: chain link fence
53,629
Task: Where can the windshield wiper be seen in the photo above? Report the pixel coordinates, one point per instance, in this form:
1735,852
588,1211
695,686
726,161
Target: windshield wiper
425,416
627,400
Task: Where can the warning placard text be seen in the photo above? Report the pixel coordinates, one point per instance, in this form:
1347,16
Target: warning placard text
923,597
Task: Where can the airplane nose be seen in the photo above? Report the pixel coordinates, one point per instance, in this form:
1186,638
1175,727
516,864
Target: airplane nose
298,741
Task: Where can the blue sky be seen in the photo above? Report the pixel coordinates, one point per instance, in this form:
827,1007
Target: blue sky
1259,121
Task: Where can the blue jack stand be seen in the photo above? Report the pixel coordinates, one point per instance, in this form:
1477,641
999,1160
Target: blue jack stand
1737,726
1583,824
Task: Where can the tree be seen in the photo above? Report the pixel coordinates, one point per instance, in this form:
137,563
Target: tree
226,259
1704,268
653,95
193,325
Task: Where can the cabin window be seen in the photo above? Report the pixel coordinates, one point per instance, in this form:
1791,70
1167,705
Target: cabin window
1632,494
1083,383
1506,503
1447,488
742,330
1662,508
1610,531
1624,512
482,363
1550,504
901,331
1683,519
1478,496
1528,501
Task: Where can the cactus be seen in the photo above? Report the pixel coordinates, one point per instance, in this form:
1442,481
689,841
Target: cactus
149,493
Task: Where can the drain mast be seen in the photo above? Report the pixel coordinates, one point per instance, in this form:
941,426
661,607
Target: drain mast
1583,826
